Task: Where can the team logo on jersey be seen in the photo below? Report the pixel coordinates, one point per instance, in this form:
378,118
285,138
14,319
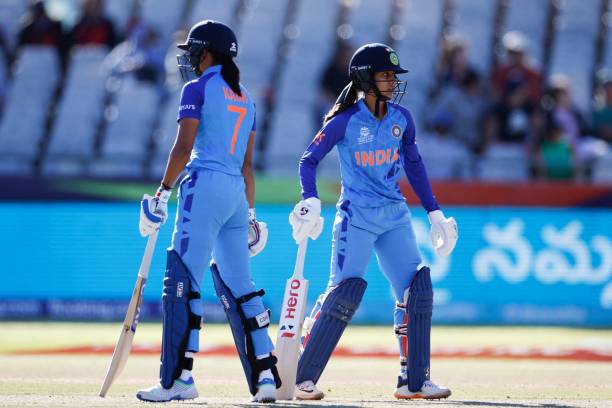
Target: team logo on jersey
393,58
318,138
364,136
396,131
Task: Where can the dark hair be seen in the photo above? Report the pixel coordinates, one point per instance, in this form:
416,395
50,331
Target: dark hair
229,71
347,98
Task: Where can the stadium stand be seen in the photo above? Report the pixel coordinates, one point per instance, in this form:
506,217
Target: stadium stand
86,129
11,12
504,162
292,128
573,50
528,17
23,123
422,20
79,112
469,15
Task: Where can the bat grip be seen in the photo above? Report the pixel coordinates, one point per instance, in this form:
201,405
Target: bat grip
298,272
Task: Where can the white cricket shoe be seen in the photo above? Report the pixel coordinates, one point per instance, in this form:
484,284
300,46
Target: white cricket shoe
307,390
266,391
429,390
180,390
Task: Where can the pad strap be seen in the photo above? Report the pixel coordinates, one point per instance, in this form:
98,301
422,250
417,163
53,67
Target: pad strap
260,321
249,296
187,363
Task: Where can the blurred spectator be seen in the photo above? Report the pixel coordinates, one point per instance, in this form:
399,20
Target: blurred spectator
563,112
516,70
602,114
38,28
511,120
555,154
465,105
141,54
93,27
574,130
333,80
454,65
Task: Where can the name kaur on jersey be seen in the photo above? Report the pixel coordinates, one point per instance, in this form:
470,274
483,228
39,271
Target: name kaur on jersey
232,96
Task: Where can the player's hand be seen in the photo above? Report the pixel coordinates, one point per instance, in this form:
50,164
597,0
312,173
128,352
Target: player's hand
443,232
258,234
154,211
306,220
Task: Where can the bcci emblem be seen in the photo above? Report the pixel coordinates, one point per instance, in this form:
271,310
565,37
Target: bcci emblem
393,58
396,131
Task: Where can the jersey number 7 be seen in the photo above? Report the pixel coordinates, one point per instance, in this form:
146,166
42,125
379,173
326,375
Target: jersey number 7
241,112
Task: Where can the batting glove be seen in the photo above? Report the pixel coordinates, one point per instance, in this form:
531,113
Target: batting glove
154,211
258,234
306,220
443,232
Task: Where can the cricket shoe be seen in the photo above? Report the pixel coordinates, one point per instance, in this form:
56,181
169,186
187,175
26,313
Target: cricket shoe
180,390
266,391
306,390
428,390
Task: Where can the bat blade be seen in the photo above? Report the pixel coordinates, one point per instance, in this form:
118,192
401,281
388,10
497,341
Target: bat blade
289,335
126,338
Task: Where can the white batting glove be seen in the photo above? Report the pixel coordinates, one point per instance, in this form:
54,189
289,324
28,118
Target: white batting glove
306,220
258,234
154,211
443,232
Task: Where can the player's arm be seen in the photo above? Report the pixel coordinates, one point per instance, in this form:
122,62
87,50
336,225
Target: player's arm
247,171
322,143
415,170
443,230
305,219
181,151
154,210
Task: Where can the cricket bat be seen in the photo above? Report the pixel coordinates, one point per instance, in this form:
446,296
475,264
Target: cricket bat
124,344
290,326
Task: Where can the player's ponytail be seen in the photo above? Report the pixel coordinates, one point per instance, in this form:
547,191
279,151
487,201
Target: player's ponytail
229,71
347,98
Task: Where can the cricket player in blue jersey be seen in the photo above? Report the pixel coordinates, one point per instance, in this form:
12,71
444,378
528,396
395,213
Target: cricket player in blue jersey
375,138
215,219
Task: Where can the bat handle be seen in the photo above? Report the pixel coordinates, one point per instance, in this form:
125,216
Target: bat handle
298,272
145,264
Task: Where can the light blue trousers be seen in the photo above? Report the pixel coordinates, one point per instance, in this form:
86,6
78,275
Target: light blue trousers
385,230
212,223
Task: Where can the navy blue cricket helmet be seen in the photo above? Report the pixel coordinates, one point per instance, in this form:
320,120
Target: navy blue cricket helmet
206,35
372,58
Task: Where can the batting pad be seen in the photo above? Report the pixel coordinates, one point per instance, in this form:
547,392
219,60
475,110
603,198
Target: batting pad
419,309
182,318
336,312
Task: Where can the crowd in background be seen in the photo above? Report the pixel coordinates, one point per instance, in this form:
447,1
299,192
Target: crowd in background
135,48
513,105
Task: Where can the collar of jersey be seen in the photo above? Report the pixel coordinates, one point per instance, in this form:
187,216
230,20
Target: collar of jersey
364,108
214,68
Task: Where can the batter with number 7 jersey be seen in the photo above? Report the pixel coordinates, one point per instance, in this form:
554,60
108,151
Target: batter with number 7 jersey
215,219
375,138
